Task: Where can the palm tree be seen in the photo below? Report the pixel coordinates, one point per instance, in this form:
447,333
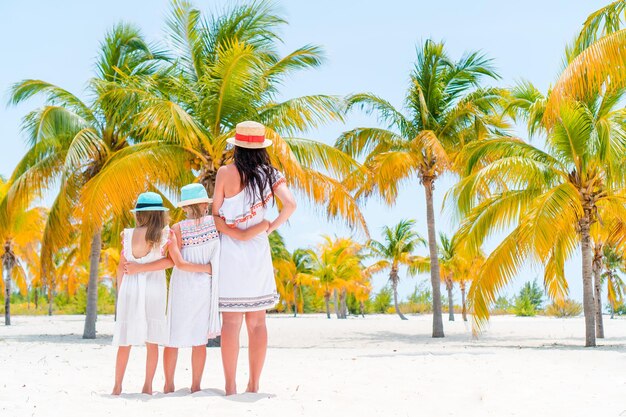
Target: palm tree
21,237
73,142
227,69
595,61
335,266
612,263
292,272
554,197
448,261
446,109
398,249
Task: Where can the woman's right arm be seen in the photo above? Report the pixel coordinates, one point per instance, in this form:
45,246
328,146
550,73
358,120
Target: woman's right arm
289,206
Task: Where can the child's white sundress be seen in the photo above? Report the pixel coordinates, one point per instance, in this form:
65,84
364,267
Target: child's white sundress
142,299
192,313
246,272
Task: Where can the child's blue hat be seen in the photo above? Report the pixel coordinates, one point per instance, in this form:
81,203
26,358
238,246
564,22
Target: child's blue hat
149,202
193,194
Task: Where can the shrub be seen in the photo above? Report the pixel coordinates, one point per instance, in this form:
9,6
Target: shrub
382,300
529,300
502,306
568,308
416,308
523,307
421,294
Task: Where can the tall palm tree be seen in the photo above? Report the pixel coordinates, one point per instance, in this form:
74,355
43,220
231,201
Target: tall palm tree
446,108
72,142
227,69
553,198
398,249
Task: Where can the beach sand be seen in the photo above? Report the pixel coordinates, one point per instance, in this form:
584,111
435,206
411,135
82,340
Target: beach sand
373,366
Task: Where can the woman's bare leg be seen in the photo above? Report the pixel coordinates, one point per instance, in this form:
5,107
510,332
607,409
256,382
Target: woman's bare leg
123,352
152,359
198,359
257,336
170,356
231,326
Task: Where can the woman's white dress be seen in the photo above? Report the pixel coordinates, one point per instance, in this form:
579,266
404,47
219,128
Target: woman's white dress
142,299
246,271
192,313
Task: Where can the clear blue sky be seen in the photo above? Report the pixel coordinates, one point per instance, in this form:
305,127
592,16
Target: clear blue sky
370,46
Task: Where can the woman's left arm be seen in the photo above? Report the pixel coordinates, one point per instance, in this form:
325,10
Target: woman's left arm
289,206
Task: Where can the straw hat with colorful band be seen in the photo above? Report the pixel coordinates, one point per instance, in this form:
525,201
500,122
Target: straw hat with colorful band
149,202
193,194
250,135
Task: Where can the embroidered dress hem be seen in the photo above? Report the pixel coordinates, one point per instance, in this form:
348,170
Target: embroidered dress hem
246,304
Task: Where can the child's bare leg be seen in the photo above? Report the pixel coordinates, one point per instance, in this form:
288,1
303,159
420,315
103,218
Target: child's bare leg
152,358
198,359
170,356
123,352
231,326
257,336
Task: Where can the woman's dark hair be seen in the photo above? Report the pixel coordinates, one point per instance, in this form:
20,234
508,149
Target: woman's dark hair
256,171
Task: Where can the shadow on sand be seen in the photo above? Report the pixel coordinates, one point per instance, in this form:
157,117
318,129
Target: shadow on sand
184,392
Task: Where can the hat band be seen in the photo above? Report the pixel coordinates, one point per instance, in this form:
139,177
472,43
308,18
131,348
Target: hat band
249,138
144,205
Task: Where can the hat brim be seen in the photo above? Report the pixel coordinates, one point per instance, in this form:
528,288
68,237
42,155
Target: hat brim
194,201
155,208
249,145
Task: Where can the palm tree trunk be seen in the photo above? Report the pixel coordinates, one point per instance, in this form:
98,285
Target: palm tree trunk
393,277
89,331
342,305
434,258
327,300
463,303
8,262
295,301
336,303
597,268
50,298
450,300
589,307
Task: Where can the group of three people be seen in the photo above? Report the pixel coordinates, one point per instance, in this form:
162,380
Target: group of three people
222,264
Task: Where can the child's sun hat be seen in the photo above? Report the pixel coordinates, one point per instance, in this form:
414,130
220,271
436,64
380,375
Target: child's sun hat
193,194
149,201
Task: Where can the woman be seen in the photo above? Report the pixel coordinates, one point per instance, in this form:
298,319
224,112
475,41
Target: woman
247,288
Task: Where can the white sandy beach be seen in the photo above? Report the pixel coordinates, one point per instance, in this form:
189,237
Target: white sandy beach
317,367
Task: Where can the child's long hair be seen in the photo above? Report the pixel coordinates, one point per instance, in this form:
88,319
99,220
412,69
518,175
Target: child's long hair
154,221
198,211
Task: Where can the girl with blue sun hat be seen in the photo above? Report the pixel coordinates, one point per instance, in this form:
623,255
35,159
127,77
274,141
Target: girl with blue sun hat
141,299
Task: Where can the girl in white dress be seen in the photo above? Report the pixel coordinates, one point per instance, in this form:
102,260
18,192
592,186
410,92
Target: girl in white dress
141,296
247,286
